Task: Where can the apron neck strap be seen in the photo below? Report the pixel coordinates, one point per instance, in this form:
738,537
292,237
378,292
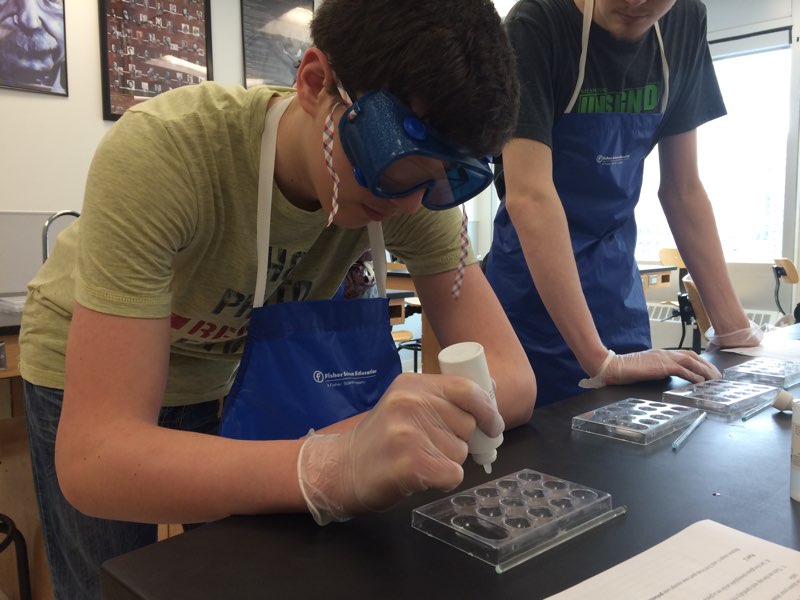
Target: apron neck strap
266,174
588,11
375,231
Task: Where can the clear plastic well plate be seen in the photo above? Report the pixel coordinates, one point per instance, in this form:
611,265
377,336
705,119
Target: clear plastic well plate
635,420
769,371
722,396
513,518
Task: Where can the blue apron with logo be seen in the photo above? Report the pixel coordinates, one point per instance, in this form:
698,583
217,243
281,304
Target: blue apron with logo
312,363
598,162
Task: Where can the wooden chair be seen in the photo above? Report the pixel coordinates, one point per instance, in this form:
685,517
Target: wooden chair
784,270
401,335
700,314
671,257
690,305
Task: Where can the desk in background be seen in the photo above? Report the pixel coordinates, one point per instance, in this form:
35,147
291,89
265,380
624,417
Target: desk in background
734,473
656,275
397,305
399,278
9,335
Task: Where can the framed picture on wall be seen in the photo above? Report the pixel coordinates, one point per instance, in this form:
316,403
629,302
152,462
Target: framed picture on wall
33,48
149,47
275,33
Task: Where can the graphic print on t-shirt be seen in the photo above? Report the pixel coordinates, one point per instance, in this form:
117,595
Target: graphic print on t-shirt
224,328
643,99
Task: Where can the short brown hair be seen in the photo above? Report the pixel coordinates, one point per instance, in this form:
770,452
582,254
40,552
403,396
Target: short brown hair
451,56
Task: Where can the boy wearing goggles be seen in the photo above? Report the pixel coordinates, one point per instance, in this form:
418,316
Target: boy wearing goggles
156,282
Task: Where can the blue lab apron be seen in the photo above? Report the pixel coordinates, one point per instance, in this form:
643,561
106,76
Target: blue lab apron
312,363
598,161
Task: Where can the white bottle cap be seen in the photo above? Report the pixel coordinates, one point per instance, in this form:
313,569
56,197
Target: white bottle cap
468,359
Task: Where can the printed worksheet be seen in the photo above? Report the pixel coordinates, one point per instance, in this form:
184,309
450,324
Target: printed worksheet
774,345
705,561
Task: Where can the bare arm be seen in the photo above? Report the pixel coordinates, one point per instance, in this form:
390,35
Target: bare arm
691,219
538,216
113,460
478,317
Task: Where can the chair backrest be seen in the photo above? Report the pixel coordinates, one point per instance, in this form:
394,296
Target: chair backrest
46,229
671,257
700,315
788,271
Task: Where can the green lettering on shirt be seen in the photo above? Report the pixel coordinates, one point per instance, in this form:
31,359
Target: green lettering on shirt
632,100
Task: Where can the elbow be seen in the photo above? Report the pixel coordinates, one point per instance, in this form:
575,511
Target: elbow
521,203
71,475
519,408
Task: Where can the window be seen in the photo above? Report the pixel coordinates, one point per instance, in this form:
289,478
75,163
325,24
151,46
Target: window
742,156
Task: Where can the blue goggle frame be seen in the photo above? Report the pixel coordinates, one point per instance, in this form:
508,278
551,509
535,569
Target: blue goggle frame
394,153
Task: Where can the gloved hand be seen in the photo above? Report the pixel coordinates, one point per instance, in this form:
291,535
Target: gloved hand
414,439
741,338
618,369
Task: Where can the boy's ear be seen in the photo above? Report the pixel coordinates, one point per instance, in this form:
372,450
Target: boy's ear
314,78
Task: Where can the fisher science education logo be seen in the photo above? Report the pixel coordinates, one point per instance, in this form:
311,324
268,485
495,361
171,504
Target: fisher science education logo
340,378
603,159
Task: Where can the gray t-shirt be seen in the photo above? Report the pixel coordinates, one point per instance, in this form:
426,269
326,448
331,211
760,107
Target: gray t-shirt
620,76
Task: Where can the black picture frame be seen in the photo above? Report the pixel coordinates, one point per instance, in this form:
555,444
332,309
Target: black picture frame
275,34
34,59
148,47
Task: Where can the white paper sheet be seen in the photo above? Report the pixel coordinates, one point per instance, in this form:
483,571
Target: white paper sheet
774,345
705,561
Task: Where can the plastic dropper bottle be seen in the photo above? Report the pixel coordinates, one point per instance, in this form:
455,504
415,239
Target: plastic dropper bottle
469,360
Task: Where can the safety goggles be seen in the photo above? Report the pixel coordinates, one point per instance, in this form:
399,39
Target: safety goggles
394,154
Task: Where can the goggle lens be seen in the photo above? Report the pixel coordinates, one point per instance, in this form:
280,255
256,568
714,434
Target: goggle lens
447,184
393,161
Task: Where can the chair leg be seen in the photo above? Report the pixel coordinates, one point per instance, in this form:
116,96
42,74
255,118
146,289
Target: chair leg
13,534
414,346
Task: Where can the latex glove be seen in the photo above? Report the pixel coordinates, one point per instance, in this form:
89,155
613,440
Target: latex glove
741,338
618,369
414,439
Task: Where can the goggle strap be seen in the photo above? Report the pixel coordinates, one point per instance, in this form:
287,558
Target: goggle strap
327,149
462,260
343,93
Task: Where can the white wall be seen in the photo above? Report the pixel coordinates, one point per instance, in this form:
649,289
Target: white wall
48,141
727,18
